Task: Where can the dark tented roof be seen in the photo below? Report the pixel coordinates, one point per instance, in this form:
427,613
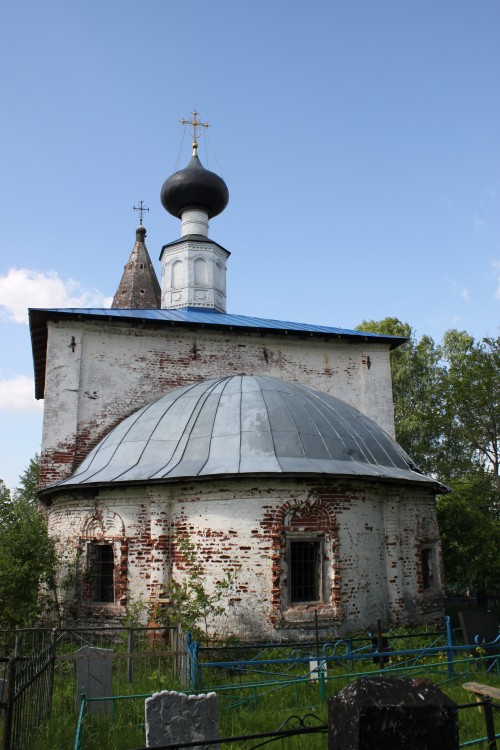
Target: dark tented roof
245,425
185,317
138,287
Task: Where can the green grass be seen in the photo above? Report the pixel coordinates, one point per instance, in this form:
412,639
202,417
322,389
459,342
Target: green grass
243,710
248,702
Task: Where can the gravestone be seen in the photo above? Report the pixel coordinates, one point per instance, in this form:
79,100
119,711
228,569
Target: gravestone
390,713
94,675
317,668
173,717
479,628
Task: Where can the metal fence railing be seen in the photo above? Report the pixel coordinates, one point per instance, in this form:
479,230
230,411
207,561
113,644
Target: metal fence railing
40,665
148,659
28,697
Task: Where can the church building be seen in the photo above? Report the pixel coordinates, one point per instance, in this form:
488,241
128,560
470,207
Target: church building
263,447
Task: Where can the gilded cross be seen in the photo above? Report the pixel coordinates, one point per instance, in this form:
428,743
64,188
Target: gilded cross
195,124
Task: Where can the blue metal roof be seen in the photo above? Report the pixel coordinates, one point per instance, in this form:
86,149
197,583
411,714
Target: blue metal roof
210,317
185,316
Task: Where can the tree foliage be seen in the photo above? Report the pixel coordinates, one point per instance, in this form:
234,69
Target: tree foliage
416,388
27,555
27,488
472,409
192,602
470,531
447,417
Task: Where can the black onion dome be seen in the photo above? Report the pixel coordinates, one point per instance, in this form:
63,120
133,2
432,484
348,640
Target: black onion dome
194,187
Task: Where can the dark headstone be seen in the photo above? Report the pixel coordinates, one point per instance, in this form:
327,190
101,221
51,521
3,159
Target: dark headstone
478,627
380,644
389,713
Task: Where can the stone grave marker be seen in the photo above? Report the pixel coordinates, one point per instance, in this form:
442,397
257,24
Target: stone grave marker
392,713
173,717
479,628
94,675
317,667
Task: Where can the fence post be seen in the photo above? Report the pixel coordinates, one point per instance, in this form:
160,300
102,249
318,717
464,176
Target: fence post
322,685
195,677
9,709
130,658
449,645
490,724
176,642
189,660
53,651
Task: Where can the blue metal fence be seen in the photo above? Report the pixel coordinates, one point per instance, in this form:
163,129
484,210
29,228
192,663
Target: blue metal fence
210,667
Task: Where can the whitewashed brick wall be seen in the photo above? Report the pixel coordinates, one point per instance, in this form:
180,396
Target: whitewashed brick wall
115,368
372,537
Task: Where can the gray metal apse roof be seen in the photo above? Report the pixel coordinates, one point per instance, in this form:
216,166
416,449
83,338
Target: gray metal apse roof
244,425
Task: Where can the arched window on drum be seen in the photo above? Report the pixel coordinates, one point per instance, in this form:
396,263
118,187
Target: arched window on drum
177,274
219,278
200,272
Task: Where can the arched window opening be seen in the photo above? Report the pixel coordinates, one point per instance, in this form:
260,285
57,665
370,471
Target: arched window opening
101,572
428,562
219,278
177,274
200,272
305,568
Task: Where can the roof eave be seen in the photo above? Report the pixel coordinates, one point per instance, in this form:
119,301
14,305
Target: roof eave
427,482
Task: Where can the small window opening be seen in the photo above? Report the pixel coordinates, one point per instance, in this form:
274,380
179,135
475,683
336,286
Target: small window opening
427,568
100,570
141,266
304,567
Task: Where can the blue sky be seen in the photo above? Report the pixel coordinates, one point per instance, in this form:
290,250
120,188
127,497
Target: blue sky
360,142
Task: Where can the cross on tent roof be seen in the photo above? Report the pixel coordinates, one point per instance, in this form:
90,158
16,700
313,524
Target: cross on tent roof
141,210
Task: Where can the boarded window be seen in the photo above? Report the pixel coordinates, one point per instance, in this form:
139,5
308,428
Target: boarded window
100,572
427,560
304,570
219,278
177,274
200,272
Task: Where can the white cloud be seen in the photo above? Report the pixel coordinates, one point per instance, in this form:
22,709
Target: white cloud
496,272
487,200
449,203
21,288
461,291
18,394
